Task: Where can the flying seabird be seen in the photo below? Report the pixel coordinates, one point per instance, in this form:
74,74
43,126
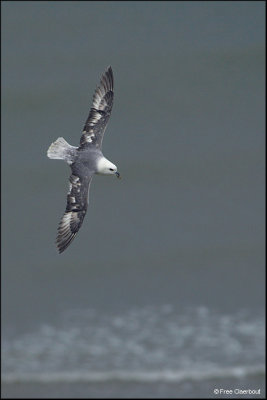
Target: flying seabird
85,161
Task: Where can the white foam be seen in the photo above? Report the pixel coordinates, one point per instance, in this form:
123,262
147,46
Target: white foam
171,376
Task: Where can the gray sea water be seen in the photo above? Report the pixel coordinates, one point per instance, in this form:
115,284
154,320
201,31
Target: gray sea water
161,294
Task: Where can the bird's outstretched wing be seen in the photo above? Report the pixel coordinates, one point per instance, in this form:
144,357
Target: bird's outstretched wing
99,114
77,203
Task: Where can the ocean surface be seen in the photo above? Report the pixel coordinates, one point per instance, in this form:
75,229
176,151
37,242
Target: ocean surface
162,293
157,351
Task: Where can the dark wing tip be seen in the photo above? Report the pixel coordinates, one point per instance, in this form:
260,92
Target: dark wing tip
109,70
68,228
65,232
105,86
107,79
62,243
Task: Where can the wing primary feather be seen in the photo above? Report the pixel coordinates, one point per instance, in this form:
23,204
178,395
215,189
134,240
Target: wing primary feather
95,125
77,203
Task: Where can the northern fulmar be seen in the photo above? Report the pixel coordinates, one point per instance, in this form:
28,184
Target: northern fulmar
85,160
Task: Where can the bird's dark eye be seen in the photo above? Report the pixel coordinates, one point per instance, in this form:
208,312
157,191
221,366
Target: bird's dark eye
111,169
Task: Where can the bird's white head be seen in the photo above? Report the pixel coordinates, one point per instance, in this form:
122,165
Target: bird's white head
105,167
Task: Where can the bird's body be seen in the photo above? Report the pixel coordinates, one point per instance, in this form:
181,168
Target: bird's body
85,161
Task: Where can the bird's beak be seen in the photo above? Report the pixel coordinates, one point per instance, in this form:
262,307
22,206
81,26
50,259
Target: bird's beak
118,175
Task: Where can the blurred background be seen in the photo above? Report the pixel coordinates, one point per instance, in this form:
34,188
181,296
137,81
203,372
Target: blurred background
161,294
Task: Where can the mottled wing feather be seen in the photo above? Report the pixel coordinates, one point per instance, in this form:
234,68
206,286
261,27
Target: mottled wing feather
99,114
77,203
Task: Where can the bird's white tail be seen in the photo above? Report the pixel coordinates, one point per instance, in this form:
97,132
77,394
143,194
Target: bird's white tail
62,150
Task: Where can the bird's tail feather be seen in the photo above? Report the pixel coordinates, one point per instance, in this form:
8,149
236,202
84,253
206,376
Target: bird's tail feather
62,150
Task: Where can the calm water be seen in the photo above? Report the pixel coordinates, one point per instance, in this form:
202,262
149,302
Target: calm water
162,291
